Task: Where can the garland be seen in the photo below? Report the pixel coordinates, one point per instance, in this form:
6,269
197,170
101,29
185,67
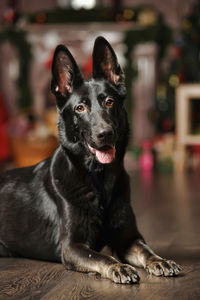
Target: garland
60,15
18,39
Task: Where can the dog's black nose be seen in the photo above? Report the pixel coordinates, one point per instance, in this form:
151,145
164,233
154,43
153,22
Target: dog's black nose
105,135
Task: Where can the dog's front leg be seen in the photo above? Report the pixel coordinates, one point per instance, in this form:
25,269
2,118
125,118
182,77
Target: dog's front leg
79,257
141,255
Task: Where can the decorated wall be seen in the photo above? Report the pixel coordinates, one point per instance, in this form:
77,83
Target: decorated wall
151,52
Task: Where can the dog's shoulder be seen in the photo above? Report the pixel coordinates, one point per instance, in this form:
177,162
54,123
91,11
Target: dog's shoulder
18,177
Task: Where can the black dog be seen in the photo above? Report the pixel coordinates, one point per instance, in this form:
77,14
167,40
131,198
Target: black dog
69,206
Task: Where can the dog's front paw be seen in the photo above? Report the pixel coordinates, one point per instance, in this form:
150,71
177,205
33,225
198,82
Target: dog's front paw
123,273
162,267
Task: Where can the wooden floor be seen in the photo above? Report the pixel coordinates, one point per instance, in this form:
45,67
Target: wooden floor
168,212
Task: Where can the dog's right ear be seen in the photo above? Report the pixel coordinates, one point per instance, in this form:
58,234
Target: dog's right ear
66,75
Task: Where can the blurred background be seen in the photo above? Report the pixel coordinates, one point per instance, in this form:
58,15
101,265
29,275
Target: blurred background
158,46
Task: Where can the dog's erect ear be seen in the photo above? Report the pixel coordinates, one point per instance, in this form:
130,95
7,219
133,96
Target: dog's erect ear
105,63
66,75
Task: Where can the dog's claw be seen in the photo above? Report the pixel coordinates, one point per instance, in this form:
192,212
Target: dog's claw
163,267
123,273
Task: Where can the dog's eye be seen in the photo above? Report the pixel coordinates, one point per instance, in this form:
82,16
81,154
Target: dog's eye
80,108
109,102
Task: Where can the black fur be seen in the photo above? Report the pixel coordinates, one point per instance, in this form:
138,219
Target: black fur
69,206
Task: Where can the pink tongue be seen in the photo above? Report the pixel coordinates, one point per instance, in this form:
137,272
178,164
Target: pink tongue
105,157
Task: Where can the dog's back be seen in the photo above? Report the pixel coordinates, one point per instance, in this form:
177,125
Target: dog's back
29,219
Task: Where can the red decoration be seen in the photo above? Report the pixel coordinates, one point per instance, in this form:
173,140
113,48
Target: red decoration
176,52
9,16
167,125
48,62
146,157
10,13
40,18
4,149
181,77
87,68
195,149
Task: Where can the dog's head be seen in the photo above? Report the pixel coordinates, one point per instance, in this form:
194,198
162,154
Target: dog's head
91,112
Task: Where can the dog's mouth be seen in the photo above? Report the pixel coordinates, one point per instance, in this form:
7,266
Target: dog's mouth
105,154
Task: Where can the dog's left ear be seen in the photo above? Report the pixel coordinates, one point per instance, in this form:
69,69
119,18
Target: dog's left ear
66,75
105,63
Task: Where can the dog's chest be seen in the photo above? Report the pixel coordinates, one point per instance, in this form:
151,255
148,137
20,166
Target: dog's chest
87,213
95,225
98,219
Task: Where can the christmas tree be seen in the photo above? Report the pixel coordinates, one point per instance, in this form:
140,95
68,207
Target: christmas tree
184,68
